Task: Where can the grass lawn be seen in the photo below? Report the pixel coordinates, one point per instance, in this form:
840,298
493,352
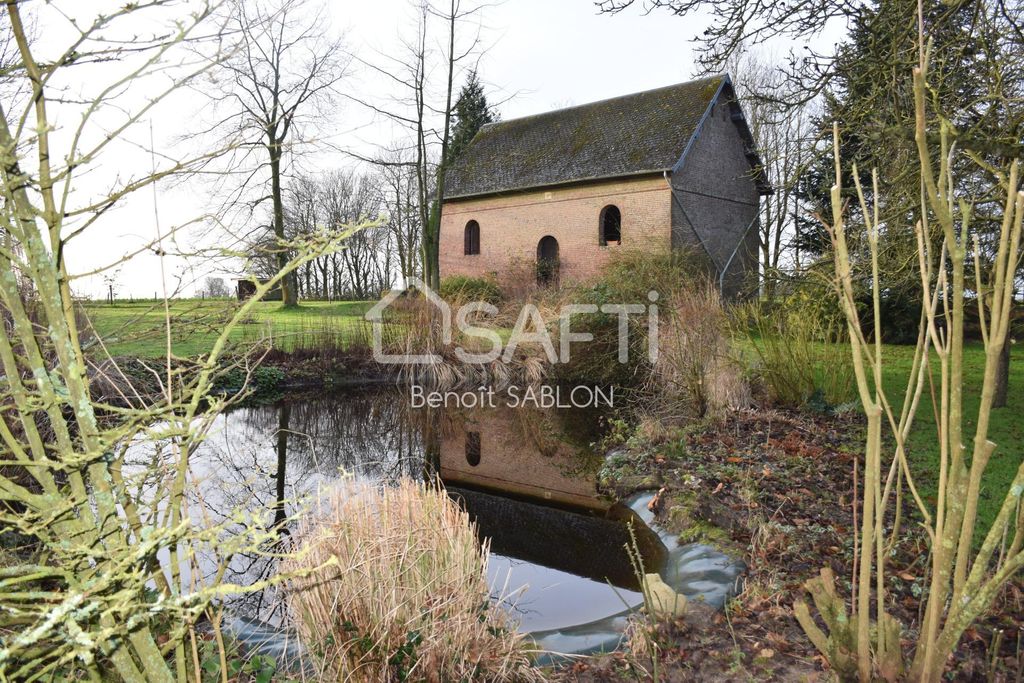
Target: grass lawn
137,329
1006,426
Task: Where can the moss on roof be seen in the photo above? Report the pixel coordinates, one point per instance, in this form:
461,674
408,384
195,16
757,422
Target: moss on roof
638,133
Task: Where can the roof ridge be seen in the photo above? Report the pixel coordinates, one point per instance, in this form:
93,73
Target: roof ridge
561,110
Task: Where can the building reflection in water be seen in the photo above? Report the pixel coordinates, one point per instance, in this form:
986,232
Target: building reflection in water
527,478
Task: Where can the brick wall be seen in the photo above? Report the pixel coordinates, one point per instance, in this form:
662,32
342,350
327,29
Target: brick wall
512,225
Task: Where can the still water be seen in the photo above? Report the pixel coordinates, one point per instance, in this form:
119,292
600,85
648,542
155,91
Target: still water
527,477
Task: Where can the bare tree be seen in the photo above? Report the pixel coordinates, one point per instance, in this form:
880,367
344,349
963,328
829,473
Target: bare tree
367,263
784,137
215,287
271,96
100,492
8,58
738,24
399,198
454,14
349,195
428,116
302,216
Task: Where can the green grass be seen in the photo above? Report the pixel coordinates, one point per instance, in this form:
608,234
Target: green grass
137,329
1006,428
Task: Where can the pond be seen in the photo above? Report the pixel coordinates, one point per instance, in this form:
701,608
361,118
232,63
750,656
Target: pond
527,477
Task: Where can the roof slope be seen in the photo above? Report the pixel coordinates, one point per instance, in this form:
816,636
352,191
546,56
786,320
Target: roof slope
645,132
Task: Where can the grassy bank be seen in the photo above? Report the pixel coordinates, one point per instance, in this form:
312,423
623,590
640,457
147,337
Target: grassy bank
1005,430
775,487
1005,427
138,329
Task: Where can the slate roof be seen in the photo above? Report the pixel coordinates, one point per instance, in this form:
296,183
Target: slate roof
645,132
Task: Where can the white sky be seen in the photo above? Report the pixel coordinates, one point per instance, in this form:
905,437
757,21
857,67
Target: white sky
543,54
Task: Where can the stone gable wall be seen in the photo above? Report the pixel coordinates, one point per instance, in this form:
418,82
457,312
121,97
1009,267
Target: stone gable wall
716,200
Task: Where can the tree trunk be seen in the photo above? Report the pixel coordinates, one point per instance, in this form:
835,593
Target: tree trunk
288,293
324,292
432,243
1002,376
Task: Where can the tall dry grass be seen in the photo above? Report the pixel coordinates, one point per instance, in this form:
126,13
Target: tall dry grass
311,333
414,327
395,589
695,369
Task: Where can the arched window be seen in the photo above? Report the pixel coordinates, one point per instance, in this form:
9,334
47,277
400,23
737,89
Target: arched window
611,225
471,239
473,448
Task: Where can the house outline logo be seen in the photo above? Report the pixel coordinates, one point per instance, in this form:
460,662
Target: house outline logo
529,318
375,316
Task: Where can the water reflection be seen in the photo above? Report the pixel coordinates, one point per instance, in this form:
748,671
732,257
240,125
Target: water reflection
520,452
272,460
283,426
527,477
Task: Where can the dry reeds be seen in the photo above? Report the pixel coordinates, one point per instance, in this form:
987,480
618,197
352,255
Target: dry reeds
398,591
693,365
415,327
312,333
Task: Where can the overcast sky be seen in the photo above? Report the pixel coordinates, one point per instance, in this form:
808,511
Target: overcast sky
541,55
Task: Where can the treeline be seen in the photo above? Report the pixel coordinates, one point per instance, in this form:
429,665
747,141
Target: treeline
376,255
381,254
396,204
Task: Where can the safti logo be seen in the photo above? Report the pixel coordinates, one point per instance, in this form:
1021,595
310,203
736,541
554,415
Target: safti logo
376,316
530,328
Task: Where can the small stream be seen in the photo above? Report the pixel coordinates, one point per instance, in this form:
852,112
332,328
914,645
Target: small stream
526,476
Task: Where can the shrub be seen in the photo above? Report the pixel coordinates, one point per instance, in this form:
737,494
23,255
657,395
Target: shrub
597,360
966,566
628,278
465,288
899,313
631,274
263,383
395,589
795,353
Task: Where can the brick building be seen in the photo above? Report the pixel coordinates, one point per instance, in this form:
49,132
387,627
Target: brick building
560,192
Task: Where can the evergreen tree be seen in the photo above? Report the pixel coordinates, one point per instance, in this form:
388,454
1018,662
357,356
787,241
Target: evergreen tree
471,113
975,86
